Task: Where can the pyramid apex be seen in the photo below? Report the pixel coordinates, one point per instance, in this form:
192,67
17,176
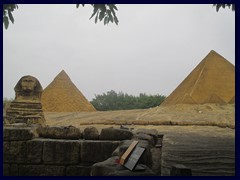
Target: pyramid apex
212,52
62,72
62,75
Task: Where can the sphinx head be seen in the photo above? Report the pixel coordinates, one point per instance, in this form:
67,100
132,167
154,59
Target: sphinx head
28,87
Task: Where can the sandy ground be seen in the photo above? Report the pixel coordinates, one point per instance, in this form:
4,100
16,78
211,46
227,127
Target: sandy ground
201,137
202,115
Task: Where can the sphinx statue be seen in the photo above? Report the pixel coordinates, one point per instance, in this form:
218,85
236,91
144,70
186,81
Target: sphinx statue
26,107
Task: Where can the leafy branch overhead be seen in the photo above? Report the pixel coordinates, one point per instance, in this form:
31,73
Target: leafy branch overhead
7,13
105,12
102,12
218,6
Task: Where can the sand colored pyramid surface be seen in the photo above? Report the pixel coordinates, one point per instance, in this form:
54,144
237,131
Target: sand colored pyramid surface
212,81
232,101
61,95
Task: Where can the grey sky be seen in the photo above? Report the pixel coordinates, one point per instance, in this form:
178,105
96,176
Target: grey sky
151,51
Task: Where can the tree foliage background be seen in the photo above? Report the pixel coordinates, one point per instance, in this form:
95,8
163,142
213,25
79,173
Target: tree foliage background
122,101
6,101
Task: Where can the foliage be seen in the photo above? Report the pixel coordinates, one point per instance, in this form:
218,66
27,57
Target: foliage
104,11
7,13
218,6
6,101
122,101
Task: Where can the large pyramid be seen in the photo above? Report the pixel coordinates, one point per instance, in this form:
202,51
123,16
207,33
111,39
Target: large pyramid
212,81
61,95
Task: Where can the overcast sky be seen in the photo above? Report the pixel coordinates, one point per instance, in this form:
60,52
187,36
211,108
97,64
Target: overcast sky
151,51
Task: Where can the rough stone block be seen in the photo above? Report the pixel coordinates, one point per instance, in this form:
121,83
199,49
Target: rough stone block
22,151
41,170
151,132
115,134
110,167
78,170
61,152
91,133
19,134
6,169
146,137
156,160
96,151
14,170
60,132
180,170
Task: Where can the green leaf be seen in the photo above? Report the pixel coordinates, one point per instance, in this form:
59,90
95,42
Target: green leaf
110,15
106,20
101,15
102,7
110,18
6,22
114,7
10,16
95,10
96,18
116,20
114,14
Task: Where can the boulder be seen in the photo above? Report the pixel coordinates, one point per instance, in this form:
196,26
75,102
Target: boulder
151,132
115,134
59,132
146,137
91,133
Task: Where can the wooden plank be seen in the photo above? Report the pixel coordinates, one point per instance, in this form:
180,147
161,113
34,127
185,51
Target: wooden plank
128,152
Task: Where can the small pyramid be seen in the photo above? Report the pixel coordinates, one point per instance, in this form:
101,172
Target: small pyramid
61,95
213,75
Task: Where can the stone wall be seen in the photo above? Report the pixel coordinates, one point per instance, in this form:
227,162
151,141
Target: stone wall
33,151
27,154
